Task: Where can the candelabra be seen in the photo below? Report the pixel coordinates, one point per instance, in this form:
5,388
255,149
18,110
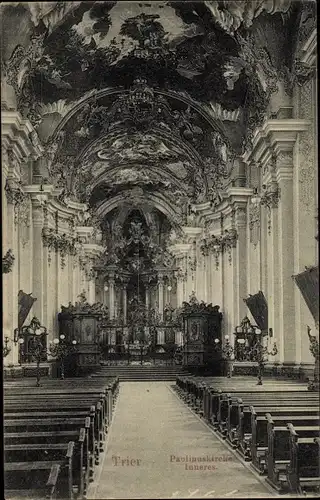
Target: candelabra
60,348
227,351
5,349
259,352
36,345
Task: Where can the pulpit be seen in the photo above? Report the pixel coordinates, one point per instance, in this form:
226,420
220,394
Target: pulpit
82,322
201,324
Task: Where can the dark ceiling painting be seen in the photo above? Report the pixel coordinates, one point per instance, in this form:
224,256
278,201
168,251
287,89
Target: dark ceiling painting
160,95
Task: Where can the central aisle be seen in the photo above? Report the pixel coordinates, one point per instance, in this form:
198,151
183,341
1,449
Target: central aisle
151,434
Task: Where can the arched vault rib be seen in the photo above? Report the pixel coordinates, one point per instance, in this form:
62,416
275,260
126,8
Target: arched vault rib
157,132
165,93
145,208
155,199
177,144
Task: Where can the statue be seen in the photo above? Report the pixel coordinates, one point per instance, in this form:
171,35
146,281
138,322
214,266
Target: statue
314,343
314,349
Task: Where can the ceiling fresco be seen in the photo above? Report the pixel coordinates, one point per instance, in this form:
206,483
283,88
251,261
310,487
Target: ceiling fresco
160,96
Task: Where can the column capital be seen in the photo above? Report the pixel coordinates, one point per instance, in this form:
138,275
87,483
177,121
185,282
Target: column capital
275,135
19,134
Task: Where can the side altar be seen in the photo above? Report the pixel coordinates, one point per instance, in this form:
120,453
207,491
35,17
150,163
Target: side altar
83,322
201,325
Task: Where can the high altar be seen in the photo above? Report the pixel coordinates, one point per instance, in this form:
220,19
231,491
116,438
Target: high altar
137,278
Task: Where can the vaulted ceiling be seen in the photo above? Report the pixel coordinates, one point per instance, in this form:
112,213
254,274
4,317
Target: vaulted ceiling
147,101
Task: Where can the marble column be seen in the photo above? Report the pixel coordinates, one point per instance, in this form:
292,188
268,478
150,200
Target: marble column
160,295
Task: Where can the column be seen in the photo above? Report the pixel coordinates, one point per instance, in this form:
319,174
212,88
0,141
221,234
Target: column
92,288
160,294
38,284
306,217
45,254
111,283
10,281
274,288
284,176
241,263
70,274
147,296
124,301
75,279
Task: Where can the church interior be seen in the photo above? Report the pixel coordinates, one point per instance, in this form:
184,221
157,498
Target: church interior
160,249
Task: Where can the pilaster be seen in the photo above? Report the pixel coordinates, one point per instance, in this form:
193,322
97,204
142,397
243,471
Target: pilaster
274,147
160,294
241,252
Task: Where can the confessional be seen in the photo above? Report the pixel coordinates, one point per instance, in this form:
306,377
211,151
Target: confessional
201,325
82,323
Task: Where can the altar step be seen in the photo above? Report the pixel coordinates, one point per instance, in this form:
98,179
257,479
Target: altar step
133,373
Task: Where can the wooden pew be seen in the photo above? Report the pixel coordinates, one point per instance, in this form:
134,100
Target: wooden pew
24,474
303,472
52,400
81,452
250,438
277,456
53,412
50,451
217,400
238,412
31,394
45,486
281,416
94,412
95,445
239,420
232,406
52,424
64,402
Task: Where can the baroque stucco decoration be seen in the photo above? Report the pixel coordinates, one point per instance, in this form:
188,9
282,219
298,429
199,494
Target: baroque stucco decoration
134,137
158,98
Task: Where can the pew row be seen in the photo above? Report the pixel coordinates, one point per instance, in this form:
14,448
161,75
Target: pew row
40,422
240,413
